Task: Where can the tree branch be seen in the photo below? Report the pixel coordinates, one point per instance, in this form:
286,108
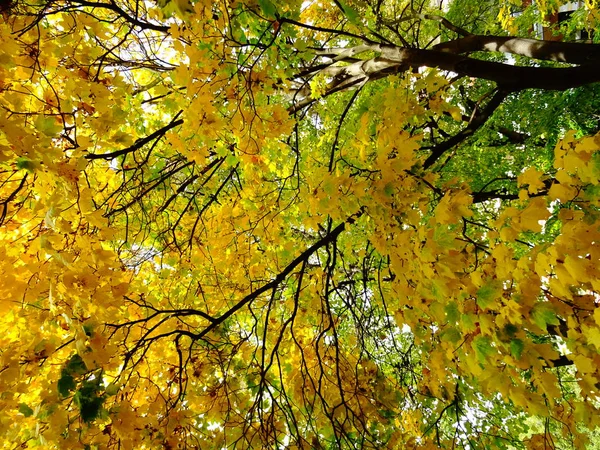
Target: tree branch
139,143
478,120
567,52
132,20
394,59
302,258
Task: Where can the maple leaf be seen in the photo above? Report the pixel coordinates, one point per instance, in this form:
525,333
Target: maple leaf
532,178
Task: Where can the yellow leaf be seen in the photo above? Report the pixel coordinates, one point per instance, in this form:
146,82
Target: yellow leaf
584,364
562,192
453,206
592,335
531,178
536,213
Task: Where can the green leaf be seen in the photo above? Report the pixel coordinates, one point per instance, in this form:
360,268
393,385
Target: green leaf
112,389
47,125
452,312
268,8
25,164
232,160
489,293
483,347
300,45
350,13
543,315
89,407
451,334
510,330
88,401
389,189
468,324
76,365
66,384
88,329
516,348
25,410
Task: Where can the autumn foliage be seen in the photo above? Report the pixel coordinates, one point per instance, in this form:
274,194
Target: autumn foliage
286,224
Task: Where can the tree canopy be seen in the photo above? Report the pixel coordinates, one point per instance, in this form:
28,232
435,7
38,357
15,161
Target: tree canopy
286,224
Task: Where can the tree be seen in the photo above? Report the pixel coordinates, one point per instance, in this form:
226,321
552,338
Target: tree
358,224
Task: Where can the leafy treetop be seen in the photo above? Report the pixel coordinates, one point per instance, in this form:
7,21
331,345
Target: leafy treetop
260,224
